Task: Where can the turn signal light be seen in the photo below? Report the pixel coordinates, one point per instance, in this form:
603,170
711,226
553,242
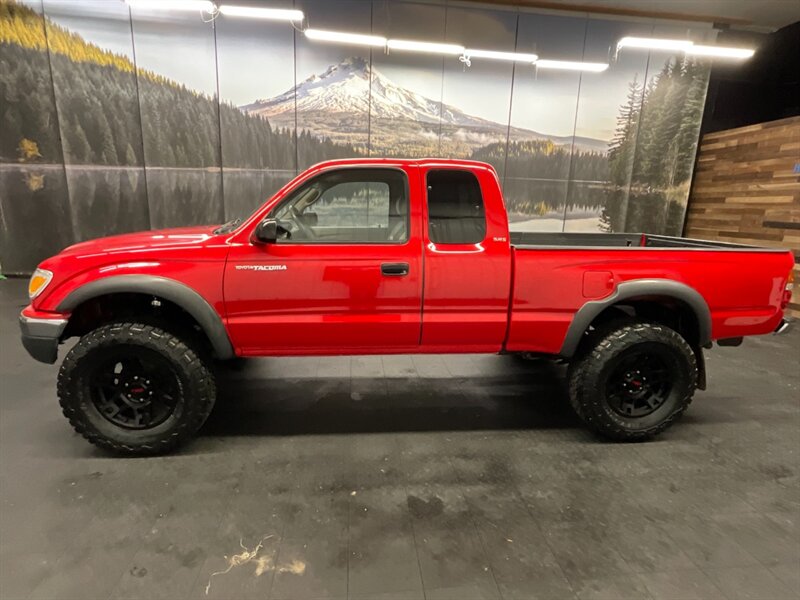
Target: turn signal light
38,282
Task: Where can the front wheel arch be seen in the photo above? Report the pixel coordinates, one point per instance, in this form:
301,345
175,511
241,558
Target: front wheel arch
178,293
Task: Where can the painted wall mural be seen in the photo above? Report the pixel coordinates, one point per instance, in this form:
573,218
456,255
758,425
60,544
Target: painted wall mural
115,119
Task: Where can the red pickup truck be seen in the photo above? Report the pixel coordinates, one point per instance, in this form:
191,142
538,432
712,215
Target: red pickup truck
379,256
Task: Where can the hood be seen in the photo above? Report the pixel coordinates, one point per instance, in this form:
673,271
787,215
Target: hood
137,253
164,239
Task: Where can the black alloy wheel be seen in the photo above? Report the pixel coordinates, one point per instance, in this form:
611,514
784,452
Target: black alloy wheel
639,383
135,388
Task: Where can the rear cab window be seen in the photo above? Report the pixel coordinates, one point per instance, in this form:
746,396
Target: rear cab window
456,213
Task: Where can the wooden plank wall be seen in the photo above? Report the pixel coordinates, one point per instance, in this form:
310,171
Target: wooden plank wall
746,189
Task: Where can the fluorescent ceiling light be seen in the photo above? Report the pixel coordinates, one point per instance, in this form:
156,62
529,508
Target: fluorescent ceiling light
345,38
653,43
275,14
721,51
570,65
495,55
434,48
189,5
686,46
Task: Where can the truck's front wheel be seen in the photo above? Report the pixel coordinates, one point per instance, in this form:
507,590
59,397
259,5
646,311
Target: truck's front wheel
135,389
634,381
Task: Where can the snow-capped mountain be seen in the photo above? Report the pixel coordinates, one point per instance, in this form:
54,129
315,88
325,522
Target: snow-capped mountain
345,88
334,103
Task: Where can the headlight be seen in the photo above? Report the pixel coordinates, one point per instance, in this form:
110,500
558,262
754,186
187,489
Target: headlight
38,282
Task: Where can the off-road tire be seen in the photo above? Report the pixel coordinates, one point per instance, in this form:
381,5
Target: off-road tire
591,367
590,340
195,380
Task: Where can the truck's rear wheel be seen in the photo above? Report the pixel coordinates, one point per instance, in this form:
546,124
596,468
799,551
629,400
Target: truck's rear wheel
135,389
633,381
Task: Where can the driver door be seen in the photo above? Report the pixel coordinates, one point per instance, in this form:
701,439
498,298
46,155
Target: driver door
344,275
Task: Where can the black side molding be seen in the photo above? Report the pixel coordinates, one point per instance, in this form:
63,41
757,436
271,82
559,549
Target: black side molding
169,289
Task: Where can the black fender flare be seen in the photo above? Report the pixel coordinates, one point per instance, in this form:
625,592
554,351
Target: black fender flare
631,289
169,289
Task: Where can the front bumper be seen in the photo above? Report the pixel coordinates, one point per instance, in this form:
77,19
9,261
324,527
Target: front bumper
782,327
40,336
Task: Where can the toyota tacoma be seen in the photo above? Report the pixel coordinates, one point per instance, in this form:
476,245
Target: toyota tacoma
382,256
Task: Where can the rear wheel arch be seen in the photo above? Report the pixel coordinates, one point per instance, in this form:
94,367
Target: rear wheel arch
668,302
158,288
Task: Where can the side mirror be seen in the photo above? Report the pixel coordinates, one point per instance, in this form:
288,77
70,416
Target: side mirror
266,232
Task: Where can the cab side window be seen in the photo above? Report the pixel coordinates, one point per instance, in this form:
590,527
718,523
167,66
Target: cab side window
455,207
347,205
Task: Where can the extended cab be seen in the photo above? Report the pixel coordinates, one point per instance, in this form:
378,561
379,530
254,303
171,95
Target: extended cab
378,256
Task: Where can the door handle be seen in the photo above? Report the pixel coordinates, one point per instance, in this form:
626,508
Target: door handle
394,269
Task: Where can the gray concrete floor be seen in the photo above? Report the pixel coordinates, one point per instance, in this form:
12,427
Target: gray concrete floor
408,477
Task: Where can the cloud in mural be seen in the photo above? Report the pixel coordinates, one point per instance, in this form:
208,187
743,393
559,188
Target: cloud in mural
332,104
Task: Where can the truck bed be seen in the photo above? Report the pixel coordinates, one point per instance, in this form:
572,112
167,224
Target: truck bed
532,240
558,274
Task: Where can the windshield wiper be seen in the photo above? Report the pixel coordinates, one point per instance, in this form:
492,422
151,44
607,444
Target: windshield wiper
227,227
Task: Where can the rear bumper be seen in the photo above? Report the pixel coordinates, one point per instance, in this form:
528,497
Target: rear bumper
782,327
40,336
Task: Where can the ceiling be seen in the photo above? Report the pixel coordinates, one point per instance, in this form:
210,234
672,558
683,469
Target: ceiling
756,15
